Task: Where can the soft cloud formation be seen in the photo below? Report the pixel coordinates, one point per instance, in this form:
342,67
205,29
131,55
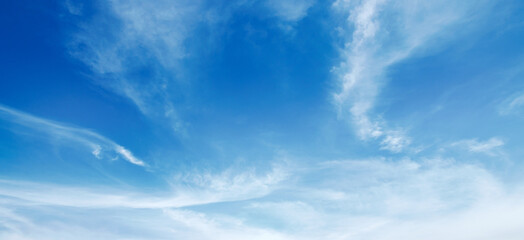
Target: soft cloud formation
290,10
137,48
133,213
394,141
512,105
231,184
193,225
73,8
380,34
134,48
377,199
87,138
196,189
128,155
403,187
490,146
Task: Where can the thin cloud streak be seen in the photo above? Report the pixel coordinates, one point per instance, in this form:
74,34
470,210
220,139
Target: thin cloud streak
512,105
142,35
490,147
96,142
391,200
154,37
380,34
192,189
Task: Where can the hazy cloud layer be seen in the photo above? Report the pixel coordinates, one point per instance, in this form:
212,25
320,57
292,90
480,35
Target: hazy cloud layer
378,199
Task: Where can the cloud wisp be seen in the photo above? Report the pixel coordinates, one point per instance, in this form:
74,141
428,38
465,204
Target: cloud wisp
162,215
134,48
512,105
138,49
290,10
193,189
380,34
87,138
377,199
490,147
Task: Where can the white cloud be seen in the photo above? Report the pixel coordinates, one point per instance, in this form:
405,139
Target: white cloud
192,189
73,7
394,141
402,187
490,146
96,151
381,34
61,131
517,102
376,199
512,105
66,212
129,37
199,226
233,185
128,155
290,10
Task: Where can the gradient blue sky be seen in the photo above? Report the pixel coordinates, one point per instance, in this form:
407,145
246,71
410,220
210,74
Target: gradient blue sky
262,119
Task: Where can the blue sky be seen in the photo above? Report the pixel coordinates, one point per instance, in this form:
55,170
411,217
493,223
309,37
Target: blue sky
261,119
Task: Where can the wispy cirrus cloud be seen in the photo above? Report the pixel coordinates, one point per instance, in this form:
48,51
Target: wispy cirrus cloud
400,187
512,105
290,10
98,144
380,34
192,188
490,146
162,214
137,49
232,184
377,199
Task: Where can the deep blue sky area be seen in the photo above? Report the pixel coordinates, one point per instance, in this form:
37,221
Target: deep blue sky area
261,119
